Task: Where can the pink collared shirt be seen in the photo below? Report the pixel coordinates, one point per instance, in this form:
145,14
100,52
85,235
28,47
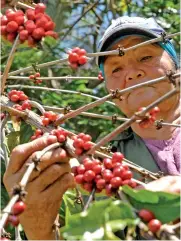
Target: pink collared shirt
166,153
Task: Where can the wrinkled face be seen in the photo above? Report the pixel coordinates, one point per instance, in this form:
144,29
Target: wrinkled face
138,66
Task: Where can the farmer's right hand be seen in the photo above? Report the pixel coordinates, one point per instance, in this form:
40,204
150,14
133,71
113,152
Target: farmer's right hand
45,188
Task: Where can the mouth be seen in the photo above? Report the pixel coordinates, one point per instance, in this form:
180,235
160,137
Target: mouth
141,97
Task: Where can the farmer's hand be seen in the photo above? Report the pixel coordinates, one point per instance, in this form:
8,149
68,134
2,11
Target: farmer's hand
166,184
45,188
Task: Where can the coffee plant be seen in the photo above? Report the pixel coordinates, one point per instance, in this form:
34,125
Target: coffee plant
110,205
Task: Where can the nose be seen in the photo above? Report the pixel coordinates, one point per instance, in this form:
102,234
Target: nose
134,75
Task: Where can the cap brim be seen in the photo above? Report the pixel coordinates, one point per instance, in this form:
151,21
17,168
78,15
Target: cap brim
117,33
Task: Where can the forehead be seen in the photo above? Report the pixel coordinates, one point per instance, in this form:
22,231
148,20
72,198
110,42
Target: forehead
128,42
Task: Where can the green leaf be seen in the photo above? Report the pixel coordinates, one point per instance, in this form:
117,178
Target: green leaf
13,139
26,132
165,206
86,221
119,210
100,221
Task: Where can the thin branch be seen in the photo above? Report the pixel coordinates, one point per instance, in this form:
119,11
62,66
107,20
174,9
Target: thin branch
116,52
9,63
4,148
91,198
57,91
54,78
107,97
37,105
27,69
84,13
127,124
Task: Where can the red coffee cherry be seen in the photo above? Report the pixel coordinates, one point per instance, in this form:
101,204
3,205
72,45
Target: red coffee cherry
38,33
79,179
146,215
88,187
12,27
82,60
26,105
107,163
18,208
14,220
87,145
49,26
89,176
154,225
73,57
30,14
127,175
116,182
117,157
14,98
81,169
40,8
100,184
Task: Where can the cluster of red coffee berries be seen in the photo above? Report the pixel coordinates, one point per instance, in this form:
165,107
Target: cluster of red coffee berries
150,117
107,175
82,142
100,77
32,25
48,117
18,96
147,216
60,133
38,133
34,78
17,209
77,57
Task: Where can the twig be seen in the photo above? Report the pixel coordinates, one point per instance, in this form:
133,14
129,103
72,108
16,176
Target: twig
17,233
4,148
34,119
127,124
27,69
54,78
38,106
107,97
56,90
84,13
116,52
9,63
91,197
24,6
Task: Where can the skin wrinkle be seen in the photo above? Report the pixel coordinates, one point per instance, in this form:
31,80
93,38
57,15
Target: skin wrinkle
134,70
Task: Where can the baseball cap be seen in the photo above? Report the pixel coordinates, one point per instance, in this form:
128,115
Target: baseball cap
126,26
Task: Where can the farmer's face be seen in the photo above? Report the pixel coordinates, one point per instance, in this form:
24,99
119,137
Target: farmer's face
138,66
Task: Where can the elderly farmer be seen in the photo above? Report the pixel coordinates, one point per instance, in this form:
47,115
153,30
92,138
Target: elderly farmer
156,150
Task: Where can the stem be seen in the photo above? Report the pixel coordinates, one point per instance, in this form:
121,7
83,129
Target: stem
34,119
54,78
81,109
116,52
127,124
24,6
7,210
38,106
56,90
84,13
27,69
91,197
105,98
9,63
